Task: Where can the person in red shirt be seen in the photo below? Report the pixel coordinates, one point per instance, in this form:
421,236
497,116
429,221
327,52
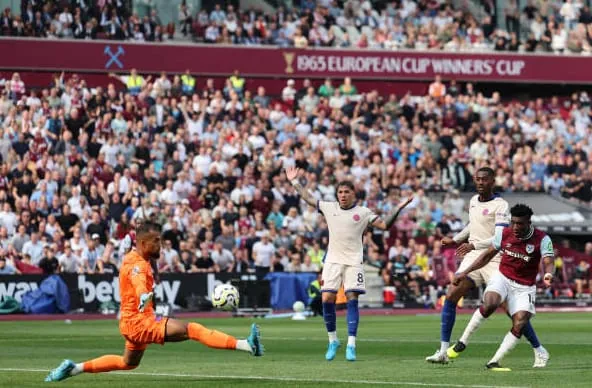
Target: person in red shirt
138,324
523,248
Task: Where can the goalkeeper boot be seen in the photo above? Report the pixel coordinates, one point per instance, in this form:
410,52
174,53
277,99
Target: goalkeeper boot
62,372
254,340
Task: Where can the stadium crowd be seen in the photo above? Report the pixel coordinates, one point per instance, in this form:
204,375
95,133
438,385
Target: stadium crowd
81,166
545,26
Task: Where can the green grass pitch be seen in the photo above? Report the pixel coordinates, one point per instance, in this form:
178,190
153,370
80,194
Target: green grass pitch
391,352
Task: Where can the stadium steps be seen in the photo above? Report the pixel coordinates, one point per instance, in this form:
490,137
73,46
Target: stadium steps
374,285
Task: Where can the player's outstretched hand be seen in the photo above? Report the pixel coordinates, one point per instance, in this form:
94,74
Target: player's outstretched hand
463,249
144,300
403,204
447,241
459,277
292,172
548,279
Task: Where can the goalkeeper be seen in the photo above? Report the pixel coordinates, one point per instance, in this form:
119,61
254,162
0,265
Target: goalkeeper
139,326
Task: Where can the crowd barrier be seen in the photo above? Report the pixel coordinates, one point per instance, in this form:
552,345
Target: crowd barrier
89,291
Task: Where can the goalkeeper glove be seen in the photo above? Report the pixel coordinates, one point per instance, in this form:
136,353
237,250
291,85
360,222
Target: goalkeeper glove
144,300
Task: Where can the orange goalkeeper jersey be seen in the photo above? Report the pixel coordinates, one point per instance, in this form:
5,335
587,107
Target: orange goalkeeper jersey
135,279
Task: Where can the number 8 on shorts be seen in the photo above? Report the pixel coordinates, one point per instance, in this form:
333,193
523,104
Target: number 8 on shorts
354,279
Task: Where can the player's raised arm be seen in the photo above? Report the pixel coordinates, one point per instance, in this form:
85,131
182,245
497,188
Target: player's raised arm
386,224
292,174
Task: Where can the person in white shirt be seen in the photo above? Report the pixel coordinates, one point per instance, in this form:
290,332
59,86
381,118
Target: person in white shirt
8,219
293,221
308,265
92,254
263,251
347,223
182,186
169,195
223,258
34,248
69,262
202,161
289,92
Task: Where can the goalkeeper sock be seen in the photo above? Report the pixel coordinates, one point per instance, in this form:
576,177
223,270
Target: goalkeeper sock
212,338
102,364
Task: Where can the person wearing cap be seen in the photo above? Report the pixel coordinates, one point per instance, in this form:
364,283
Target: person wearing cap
289,92
92,254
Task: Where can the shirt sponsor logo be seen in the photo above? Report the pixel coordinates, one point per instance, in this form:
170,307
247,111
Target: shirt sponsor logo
517,255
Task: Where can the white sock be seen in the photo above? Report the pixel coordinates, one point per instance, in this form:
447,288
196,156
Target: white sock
351,340
473,325
508,344
332,336
78,369
444,346
243,345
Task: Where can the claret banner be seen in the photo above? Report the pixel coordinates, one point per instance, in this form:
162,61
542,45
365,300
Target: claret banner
267,61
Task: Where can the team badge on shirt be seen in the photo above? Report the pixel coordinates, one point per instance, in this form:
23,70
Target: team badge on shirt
135,270
529,248
485,212
357,217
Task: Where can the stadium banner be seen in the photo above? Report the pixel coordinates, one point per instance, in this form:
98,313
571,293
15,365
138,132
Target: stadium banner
89,291
266,61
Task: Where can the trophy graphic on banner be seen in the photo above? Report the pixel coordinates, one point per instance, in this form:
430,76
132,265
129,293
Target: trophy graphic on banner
289,58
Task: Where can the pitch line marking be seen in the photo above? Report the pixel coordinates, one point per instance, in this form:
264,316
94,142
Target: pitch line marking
285,379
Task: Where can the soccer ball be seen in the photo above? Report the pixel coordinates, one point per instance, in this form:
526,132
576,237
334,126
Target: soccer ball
298,307
225,297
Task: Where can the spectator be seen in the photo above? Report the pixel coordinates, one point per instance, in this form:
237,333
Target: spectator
5,268
33,248
69,262
204,262
91,254
49,263
263,252
582,278
223,258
